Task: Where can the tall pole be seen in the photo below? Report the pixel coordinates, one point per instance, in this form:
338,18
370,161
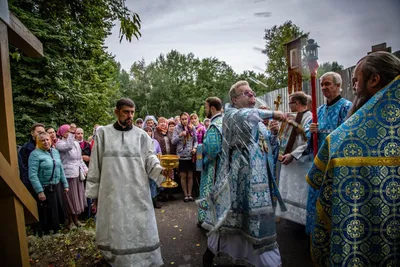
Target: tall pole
313,65
312,57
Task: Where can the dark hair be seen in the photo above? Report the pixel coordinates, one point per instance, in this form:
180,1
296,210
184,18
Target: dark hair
214,102
301,97
184,113
34,126
125,102
381,63
148,129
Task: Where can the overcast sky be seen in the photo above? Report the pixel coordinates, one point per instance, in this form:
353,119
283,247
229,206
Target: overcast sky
229,29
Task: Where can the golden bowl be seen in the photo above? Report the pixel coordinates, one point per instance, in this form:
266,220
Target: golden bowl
169,161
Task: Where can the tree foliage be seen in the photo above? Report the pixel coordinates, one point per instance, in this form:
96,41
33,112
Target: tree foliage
76,78
78,81
177,82
328,66
275,39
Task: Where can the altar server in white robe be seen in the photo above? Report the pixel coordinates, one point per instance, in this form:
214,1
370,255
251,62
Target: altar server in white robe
122,160
295,164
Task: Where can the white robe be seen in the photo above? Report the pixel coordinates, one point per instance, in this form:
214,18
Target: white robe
240,251
126,228
292,180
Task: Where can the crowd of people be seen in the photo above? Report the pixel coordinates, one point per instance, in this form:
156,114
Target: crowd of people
253,164
53,166
53,162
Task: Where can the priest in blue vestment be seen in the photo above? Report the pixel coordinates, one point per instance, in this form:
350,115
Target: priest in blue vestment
242,202
330,116
210,157
357,171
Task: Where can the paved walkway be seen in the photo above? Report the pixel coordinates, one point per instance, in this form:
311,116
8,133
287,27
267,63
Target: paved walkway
183,243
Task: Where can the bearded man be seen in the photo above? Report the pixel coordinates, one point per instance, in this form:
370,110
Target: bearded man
122,159
357,171
211,149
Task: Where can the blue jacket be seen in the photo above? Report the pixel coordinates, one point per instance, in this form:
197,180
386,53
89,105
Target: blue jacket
41,167
23,156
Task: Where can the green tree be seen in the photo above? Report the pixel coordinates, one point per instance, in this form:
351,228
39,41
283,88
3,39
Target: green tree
275,38
201,113
178,82
76,79
328,66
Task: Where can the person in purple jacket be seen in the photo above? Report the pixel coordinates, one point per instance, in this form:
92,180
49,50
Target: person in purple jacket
200,129
200,133
153,186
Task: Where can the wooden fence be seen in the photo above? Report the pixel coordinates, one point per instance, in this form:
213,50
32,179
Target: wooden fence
347,92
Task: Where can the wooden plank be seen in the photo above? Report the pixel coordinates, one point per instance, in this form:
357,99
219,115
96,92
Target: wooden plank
21,37
5,90
10,180
8,146
13,252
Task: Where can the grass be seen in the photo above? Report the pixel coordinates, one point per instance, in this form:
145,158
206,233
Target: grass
66,248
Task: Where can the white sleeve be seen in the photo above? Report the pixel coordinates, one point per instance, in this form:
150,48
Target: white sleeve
94,174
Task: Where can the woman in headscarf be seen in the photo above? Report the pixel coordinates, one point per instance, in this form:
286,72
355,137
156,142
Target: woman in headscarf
161,135
85,146
200,129
53,136
185,139
71,157
200,133
150,121
153,186
165,141
86,151
45,174
139,123
171,127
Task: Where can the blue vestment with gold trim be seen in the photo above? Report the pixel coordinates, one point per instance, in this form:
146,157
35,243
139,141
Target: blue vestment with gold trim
358,173
211,148
329,118
243,201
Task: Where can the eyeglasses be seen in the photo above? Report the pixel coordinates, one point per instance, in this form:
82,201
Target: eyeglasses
248,94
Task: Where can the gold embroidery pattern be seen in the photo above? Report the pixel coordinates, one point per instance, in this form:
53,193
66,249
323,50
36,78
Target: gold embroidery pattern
364,161
358,220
